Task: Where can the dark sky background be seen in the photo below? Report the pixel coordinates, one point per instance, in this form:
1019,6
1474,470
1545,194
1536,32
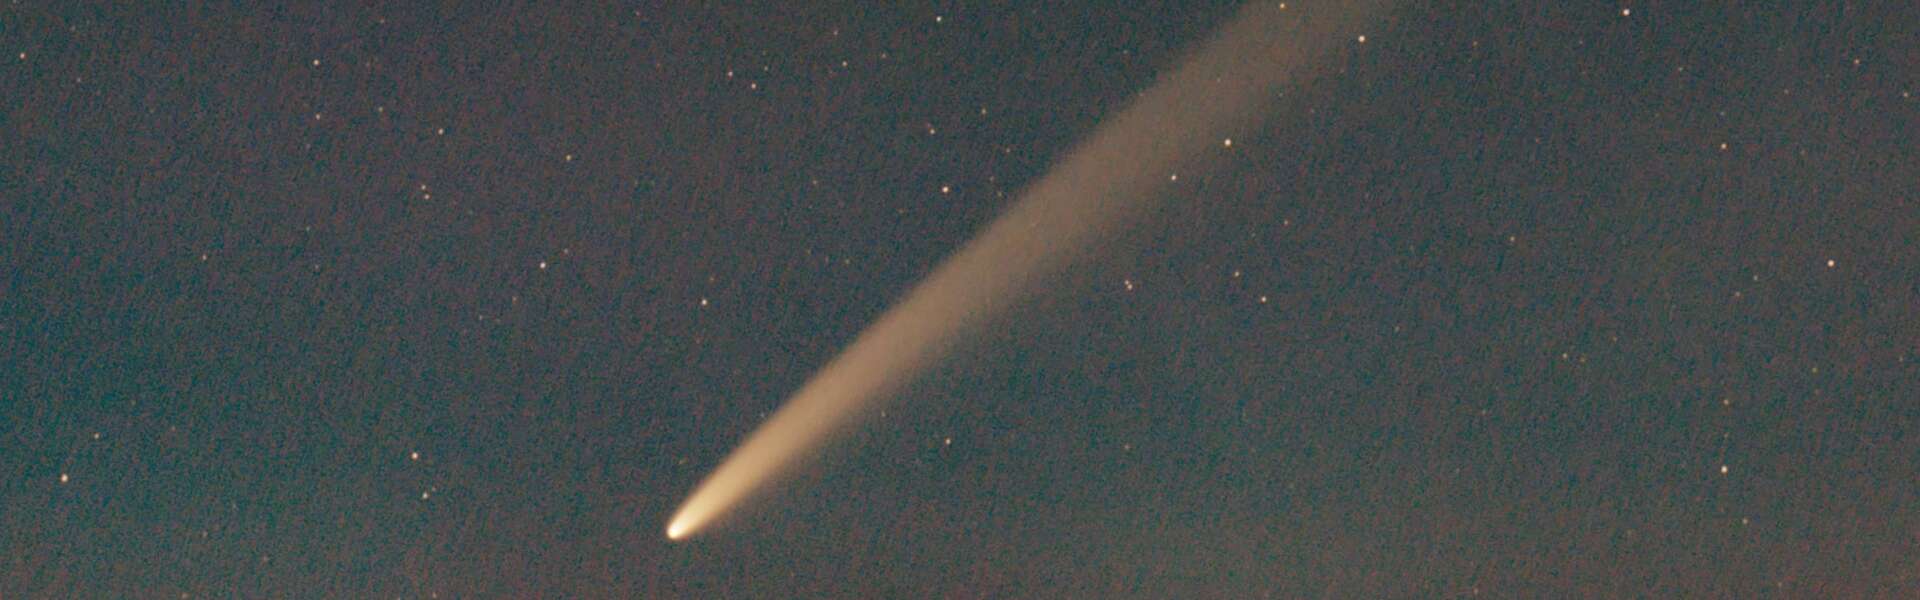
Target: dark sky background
448,300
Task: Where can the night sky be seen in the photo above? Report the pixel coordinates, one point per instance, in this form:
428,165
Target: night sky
1616,300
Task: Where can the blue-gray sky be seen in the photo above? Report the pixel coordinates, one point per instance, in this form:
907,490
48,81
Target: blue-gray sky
413,300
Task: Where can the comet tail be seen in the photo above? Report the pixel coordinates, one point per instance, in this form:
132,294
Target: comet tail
1228,87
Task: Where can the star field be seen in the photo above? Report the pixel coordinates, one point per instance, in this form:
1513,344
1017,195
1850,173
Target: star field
459,301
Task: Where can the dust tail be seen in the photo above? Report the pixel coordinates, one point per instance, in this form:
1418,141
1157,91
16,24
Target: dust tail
1228,87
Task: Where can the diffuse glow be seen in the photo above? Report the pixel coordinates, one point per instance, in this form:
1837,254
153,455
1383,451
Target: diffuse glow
1175,126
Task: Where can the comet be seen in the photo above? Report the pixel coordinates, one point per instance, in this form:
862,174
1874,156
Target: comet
1119,174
